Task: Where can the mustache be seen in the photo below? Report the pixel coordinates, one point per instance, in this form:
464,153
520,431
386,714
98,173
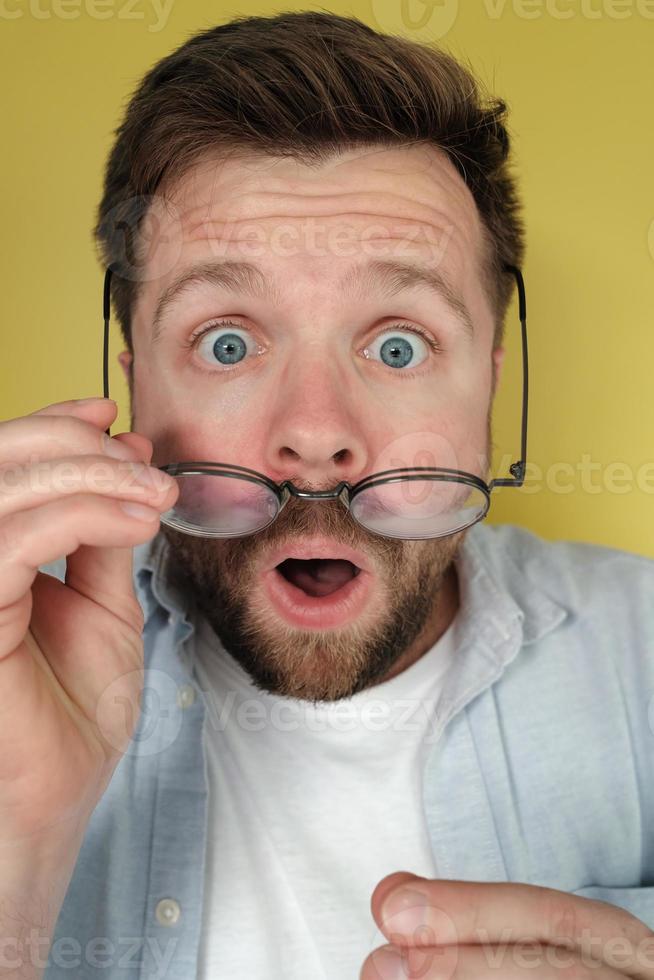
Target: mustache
329,518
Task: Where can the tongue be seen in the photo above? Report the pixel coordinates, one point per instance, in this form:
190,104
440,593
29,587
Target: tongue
318,576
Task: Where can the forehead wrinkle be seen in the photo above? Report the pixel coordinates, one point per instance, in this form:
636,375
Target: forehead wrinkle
206,227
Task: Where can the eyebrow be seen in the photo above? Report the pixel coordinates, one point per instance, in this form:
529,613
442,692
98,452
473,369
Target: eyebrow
384,276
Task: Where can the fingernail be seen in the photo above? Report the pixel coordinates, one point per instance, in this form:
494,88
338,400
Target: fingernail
405,910
87,401
117,449
151,477
139,511
387,965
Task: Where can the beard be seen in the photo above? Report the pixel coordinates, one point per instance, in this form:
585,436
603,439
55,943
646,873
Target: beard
217,578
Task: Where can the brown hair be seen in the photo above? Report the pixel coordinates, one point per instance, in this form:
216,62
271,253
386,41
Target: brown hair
306,85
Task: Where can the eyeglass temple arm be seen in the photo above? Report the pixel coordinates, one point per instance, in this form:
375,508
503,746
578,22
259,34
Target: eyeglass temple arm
106,308
518,468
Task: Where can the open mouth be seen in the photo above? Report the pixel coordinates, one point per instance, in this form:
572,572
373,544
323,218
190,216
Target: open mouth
318,576
317,582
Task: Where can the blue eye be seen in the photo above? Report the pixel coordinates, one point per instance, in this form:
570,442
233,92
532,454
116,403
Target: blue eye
224,346
400,348
229,348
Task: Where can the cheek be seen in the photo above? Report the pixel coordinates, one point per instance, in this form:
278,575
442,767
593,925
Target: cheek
447,427
443,439
219,436
192,417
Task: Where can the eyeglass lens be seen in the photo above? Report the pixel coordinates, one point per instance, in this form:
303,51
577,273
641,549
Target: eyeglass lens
217,505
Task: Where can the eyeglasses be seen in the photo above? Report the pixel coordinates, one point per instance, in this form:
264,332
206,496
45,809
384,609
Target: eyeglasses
222,500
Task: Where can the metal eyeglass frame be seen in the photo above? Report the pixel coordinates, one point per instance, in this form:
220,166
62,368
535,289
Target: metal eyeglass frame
344,491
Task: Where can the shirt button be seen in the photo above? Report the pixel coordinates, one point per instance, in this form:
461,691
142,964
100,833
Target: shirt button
167,912
185,695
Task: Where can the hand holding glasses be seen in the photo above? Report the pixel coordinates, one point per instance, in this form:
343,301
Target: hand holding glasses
222,500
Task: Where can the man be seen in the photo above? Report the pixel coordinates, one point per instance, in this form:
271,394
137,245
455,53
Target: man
326,705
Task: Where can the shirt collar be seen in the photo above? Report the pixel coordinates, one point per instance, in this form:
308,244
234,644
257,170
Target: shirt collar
493,567
153,589
502,609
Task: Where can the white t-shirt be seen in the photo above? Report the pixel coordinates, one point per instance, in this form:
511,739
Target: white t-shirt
309,808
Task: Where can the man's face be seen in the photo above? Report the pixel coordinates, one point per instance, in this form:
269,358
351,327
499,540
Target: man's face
308,392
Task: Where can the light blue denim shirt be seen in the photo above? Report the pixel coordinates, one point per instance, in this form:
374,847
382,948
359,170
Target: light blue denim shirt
541,767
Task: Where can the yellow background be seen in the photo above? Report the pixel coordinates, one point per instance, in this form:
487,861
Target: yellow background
578,77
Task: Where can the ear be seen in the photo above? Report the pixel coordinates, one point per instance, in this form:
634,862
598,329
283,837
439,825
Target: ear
498,362
125,360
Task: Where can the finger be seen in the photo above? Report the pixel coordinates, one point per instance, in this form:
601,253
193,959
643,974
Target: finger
389,884
140,444
100,411
472,912
78,404
536,961
46,436
77,524
99,568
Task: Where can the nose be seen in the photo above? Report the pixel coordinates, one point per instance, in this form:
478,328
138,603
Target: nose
316,436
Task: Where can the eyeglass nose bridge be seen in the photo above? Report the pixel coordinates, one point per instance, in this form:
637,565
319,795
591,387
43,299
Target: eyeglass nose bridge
340,491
